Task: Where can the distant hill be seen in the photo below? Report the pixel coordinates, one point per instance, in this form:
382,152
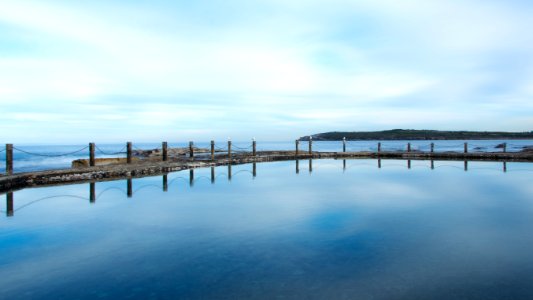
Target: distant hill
411,134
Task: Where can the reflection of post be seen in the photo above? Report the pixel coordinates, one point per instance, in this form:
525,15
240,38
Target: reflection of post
130,188
432,165
344,165
297,167
379,163
408,164
92,192
191,177
9,204
229,172
466,165
254,169
165,183
310,165
504,166
212,175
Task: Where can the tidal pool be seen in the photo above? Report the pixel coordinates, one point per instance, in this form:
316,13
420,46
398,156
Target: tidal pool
326,229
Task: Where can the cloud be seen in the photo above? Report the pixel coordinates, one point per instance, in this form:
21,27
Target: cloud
303,66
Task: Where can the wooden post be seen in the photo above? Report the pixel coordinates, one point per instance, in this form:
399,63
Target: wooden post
92,192
254,169
379,148
164,148
466,148
297,142
165,182
504,147
212,150
9,204
343,144
212,175
191,177
91,155
128,155
310,145
254,144
130,188
191,149
297,166
408,147
432,147
229,148
9,159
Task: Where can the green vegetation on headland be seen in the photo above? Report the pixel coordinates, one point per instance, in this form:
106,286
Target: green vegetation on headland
411,134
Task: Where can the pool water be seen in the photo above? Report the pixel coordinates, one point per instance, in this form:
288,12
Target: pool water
326,229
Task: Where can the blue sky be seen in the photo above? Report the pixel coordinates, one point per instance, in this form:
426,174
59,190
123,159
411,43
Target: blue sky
104,71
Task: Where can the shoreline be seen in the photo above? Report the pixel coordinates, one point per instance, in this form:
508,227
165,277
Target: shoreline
149,167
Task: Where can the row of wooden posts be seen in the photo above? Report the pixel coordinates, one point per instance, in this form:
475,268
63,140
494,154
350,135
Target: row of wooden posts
164,147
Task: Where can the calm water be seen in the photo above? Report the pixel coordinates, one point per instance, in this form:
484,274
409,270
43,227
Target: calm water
359,232
45,157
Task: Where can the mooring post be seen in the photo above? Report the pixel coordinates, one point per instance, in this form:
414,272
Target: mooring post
466,148
165,182
297,143
130,187
92,192
191,177
504,147
128,152
212,175
504,167
212,150
310,145
408,147
254,169
254,152
432,146
164,148
191,149
9,204
229,148
344,144
9,159
91,155
379,148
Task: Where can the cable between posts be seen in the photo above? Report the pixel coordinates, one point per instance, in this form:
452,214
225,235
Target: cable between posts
50,155
121,151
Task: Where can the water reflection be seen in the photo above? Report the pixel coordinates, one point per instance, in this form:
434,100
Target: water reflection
347,231
93,196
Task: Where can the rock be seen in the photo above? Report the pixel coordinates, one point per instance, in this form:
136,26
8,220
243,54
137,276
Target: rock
500,146
84,163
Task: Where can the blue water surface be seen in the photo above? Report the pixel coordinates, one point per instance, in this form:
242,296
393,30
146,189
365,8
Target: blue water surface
326,229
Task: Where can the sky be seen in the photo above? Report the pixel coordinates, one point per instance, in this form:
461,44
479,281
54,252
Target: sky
111,71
